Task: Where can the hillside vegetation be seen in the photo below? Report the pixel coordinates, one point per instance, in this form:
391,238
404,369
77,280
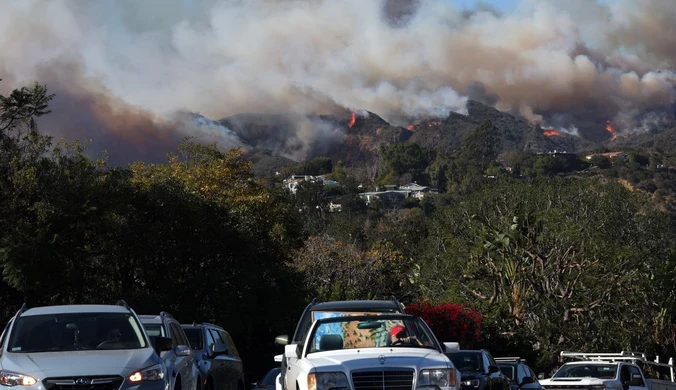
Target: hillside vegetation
554,252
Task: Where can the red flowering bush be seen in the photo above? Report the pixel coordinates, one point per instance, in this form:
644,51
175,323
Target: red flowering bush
450,321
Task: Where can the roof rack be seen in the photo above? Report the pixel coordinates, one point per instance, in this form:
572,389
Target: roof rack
622,356
399,304
123,303
24,307
509,359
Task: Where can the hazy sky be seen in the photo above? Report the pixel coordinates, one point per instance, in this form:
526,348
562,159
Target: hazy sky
502,5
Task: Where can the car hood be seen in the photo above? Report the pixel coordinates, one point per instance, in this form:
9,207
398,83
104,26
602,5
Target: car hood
347,360
74,363
573,381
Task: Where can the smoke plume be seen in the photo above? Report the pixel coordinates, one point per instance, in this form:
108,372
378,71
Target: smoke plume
122,70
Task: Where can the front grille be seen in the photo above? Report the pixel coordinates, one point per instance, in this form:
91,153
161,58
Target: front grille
383,380
108,382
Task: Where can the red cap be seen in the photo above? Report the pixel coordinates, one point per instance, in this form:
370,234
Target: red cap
396,330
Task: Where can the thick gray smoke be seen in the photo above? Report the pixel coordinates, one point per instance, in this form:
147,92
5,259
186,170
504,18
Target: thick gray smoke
123,69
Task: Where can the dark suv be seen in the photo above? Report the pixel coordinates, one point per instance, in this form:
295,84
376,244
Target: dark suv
317,309
217,356
479,370
521,377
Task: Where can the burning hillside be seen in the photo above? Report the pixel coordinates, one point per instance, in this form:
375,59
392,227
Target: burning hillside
121,71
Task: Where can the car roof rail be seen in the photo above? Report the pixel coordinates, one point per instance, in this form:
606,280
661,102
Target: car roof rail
210,324
123,303
509,359
165,314
24,307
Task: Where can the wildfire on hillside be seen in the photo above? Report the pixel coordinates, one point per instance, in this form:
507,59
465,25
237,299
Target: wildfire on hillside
551,132
609,128
431,124
353,119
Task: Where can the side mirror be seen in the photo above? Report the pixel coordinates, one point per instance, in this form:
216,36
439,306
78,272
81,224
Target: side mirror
541,375
161,344
492,369
278,358
183,350
282,340
253,385
216,349
450,346
527,380
292,351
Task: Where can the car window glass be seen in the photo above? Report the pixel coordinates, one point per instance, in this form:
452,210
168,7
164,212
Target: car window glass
492,361
634,371
508,371
174,335
466,361
521,373
194,337
531,373
75,331
486,362
182,339
209,338
216,336
154,330
624,374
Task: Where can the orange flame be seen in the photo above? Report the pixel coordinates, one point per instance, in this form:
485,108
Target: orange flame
353,119
551,132
429,124
609,129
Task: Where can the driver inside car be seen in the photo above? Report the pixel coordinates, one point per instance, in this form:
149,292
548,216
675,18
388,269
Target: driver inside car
399,336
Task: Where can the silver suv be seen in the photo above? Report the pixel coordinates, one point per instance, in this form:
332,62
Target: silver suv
84,347
179,359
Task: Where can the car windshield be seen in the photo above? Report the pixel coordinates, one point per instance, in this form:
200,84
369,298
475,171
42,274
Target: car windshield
601,371
508,371
370,332
75,331
194,337
467,361
154,330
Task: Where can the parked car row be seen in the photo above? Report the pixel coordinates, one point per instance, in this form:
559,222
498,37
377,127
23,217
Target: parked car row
375,345
110,347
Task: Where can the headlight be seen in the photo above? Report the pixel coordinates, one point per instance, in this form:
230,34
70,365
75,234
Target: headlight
154,373
326,380
13,379
472,382
440,377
